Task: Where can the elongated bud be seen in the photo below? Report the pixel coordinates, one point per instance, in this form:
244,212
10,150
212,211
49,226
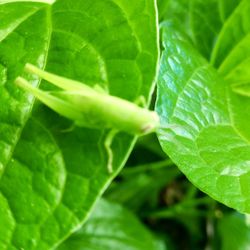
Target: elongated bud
59,105
88,107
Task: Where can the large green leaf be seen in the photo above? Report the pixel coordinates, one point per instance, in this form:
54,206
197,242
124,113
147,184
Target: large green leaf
203,131
112,227
194,18
31,188
112,43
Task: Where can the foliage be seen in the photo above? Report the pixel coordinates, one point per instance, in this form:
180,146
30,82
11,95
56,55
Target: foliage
52,176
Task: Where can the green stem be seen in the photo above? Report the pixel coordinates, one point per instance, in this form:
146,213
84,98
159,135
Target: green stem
147,167
187,207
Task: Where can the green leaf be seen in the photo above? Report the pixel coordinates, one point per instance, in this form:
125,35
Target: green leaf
177,12
201,130
19,42
205,24
201,24
112,43
138,187
233,36
231,53
227,7
194,18
31,188
234,232
112,227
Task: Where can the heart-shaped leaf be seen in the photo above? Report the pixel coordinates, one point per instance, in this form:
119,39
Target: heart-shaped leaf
51,177
203,129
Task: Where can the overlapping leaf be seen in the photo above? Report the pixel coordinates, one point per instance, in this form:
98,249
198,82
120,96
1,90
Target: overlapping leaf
205,131
234,231
112,227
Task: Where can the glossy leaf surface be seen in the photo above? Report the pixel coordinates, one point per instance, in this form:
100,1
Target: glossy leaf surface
205,132
51,177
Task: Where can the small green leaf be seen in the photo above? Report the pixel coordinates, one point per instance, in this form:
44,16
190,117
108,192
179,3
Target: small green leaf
112,227
205,24
203,20
233,34
234,232
234,65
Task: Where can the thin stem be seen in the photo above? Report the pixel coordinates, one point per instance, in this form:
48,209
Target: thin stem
187,207
147,167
